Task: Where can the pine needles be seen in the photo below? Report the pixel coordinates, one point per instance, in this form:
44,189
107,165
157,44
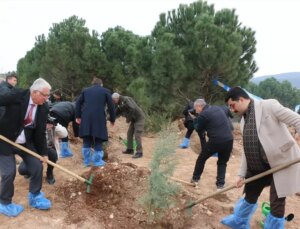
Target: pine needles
161,192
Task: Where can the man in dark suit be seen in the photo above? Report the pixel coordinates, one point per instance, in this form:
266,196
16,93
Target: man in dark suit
90,114
24,122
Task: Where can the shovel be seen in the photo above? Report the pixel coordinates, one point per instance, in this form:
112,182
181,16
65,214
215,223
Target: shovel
256,177
87,182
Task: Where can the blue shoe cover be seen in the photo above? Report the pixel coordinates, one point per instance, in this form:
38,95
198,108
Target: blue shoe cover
241,216
97,158
11,210
65,150
185,143
86,153
274,222
39,201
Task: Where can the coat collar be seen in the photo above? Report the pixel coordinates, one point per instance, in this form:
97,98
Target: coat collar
258,115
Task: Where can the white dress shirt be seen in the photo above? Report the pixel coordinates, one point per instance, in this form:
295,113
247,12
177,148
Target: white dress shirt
21,138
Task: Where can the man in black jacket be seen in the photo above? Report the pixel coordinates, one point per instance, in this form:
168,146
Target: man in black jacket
64,112
214,121
5,86
24,123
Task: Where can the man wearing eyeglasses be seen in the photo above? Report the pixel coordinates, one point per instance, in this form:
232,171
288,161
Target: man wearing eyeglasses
24,122
267,143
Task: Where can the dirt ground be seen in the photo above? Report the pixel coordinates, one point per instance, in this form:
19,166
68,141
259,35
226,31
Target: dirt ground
117,188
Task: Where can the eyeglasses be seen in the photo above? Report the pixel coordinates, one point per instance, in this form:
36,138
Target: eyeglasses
44,95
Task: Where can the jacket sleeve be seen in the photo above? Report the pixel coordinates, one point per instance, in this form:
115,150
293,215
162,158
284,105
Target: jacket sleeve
243,167
111,108
284,114
9,96
199,123
79,102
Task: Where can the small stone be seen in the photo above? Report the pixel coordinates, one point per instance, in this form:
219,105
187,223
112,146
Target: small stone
208,212
73,194
111,216
79,193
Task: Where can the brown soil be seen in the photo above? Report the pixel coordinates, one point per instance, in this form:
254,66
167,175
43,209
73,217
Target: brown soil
114,198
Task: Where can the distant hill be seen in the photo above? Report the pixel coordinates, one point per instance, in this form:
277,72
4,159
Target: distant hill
292,77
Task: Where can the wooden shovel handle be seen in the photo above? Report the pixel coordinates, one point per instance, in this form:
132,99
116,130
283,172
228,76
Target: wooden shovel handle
43,159
256,177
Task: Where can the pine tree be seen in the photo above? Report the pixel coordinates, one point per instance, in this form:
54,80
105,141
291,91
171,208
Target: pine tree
161,192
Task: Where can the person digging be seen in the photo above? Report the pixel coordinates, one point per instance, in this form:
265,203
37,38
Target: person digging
126,106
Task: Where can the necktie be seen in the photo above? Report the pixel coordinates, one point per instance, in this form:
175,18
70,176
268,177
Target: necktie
28,119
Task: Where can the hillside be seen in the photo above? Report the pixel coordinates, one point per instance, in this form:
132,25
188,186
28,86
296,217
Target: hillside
292,77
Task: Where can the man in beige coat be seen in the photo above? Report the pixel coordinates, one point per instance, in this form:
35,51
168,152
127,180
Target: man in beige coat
267,144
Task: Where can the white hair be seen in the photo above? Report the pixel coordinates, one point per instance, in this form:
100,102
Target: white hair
200,102
115,95
40,84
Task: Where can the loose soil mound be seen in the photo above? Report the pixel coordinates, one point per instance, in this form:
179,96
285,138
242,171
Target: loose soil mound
114,199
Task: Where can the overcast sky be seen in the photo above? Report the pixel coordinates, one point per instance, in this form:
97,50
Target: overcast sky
276,23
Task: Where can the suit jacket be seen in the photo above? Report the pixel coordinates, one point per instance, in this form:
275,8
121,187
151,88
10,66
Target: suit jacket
11,125
279,145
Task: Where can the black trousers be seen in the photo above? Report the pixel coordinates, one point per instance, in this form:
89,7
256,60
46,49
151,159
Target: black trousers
224,150
8,174
190,128
254,189
52,156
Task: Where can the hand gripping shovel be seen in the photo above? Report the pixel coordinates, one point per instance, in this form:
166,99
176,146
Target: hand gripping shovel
258,176
87,182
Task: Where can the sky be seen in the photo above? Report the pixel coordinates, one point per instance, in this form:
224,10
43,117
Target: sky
276,23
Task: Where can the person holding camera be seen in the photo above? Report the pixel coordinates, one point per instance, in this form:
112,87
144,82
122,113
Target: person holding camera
213,121
188,123
54,132
64,113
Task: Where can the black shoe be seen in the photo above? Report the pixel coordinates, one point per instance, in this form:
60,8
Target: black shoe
50,179
194,182
128,151
138,155
220,187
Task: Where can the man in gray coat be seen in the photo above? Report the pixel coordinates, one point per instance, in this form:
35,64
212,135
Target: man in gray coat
267,144
126,106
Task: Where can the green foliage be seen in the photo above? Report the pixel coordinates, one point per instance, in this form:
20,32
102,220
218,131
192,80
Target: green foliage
271,88
188,48
156,121
212,44
161,192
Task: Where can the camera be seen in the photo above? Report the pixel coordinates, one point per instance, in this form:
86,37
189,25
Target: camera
51,120
192,111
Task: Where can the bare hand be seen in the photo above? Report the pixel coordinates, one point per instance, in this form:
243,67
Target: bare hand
240,182
44,159
78,120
